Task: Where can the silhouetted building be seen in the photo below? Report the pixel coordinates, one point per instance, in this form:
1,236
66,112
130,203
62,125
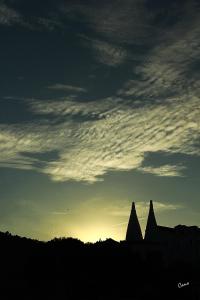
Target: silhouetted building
181,243
134,232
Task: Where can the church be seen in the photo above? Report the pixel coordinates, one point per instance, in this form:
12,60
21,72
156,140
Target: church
181,243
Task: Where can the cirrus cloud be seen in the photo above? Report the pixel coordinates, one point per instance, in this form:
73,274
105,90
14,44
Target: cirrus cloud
157,109
117,138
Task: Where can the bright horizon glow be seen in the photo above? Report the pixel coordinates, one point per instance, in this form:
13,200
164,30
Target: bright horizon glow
109,222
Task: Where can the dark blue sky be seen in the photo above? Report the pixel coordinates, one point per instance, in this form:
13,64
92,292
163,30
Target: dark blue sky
99,107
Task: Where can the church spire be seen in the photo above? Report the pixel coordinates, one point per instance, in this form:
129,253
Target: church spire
133,231
151,223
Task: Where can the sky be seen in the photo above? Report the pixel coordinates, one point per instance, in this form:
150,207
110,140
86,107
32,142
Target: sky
99,107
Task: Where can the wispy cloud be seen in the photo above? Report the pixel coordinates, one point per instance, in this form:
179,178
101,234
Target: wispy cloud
142,207
67,88
165,170
106,52
59,213
165,70
109,54
8,16
47,23
119,224
120,21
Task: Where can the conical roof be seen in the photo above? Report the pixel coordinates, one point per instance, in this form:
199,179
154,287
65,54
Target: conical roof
134,232
151,222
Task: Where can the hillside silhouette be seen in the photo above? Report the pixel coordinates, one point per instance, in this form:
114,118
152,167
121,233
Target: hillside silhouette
67,268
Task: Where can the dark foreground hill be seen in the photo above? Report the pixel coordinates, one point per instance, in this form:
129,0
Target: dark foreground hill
66,268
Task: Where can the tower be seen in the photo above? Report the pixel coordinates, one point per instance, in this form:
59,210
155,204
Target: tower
134,232
151,224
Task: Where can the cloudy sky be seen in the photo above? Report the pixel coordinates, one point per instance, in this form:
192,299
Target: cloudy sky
99,107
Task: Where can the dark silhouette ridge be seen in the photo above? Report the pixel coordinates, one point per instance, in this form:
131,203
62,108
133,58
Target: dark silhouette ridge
67,268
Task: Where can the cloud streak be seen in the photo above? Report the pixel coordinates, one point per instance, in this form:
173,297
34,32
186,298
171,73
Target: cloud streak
141,208
165,170
109,54
124,21
8,16
106,53
67,88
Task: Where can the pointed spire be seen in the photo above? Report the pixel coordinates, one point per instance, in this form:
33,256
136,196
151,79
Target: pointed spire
151,223
133,230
